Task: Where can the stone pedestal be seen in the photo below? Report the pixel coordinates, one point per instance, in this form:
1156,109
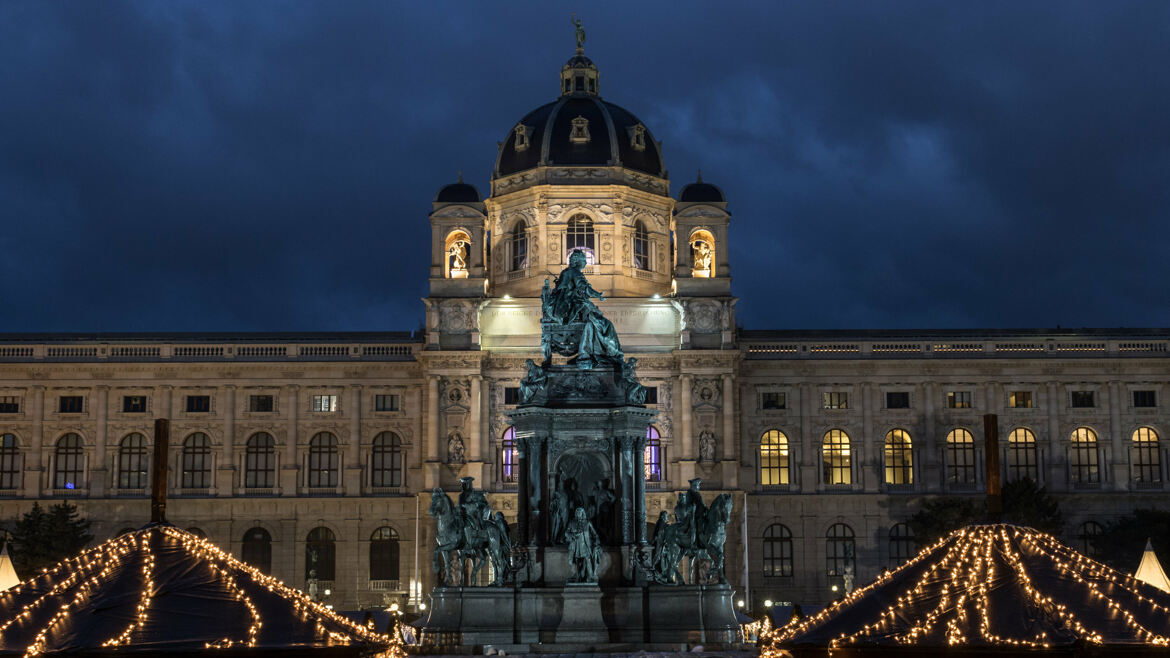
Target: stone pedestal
694,614
581,620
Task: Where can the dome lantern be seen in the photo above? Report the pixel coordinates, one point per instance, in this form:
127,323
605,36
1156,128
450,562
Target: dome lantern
579,75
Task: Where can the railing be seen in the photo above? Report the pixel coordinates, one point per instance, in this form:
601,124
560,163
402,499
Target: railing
198,351
57,352
16,352
1049,348
517,274
136,350
385,585
262,350
257,491
320,491
164,351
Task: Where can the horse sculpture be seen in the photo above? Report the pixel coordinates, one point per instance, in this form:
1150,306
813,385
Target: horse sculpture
705,536
460,536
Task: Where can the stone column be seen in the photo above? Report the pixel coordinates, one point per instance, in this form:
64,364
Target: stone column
928,456
1117,442
522,461
225,466
686,448
289,463
431,469
36,480
353,450
869,476
97,474
730,438
640,487
1054,473
627,490
810,448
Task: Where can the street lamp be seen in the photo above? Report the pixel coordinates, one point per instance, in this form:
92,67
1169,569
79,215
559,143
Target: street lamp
768,603
739,603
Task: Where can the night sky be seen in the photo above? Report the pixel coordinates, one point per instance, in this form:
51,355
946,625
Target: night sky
269,166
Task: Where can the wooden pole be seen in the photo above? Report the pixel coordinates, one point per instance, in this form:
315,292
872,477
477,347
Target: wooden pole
158,479
991,461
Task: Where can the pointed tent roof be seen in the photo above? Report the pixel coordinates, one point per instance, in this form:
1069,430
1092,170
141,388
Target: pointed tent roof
8,578
162,590
991,586
1150,570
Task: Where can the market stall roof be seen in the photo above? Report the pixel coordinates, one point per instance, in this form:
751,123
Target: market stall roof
1150,570
162,590
991,586
8,578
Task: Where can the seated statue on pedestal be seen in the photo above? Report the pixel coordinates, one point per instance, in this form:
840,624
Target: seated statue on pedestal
584,548
570,304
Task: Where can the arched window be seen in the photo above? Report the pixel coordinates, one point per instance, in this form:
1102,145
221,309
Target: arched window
509,462
1147,461
321,554
960,457
69,463
579,235
652,458
641,246
257,549
458,249
9,462
901,545
1083,467
518,246
260,461
777,551
773,458
196,462
386,461
899,458
384,554
132,462
323,462
840,549
1088,531
1021,461
836,458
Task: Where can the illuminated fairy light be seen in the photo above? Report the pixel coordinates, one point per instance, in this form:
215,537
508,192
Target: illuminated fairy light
958,584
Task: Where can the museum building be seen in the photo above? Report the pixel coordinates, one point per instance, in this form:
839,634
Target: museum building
315,454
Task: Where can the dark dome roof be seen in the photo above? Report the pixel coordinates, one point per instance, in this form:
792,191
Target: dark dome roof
700,192
611,136
580,61
457,193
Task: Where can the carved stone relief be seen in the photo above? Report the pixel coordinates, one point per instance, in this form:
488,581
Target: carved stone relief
707,392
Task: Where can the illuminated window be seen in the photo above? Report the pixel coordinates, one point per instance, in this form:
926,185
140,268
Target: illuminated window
260,403
836,458
899,454
840,548
509,462
773,401
1021,457
579,236
1089,531
323,460
386,461
71,404
641,246
898,400
959,400
196,462
777,551
197,404
960,457
68,462
9,462
260,461
518,245
321,554
652,458
1081,399
836,400
257,549
773,458
1145,399
324,403
132,462
1146,457
133,404
384,554
901,545
1082,459
1020,400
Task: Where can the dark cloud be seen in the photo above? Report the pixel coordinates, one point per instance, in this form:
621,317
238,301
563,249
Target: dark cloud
269,165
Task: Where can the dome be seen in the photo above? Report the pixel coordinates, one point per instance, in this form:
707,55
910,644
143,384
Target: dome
700,192
458,192
548,135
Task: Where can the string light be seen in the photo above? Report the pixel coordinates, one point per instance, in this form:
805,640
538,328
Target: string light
943,595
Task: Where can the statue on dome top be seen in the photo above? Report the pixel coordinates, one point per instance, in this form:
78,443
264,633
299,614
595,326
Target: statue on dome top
579,32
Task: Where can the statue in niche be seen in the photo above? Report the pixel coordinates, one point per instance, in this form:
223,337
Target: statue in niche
457,255
702,254
635,392
455,449
533,382
707,446
600,505
584,548
571,303
558,511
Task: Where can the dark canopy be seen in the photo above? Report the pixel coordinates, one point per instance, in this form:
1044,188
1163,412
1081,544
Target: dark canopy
164,590
992,586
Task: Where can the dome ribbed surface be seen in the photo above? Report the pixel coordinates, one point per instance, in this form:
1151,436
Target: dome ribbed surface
458,193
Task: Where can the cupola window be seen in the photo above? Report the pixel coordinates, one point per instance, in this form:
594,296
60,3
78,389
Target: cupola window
518,243
521,142
580,131
579,235
638,137
641,246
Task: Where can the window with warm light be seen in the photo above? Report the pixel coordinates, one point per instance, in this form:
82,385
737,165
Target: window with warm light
899,458
773,459
1021,455
959,400
1083,466
960,453
1020,400
836,458
579,237
1145,455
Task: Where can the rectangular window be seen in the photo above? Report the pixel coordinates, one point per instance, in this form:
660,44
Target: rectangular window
1145,399
959,400
198,404
9,404
651,395
512,395
133,404
773,400
1082,399
1020,400
71,404
260,403
898,400
324,403
836,400
387,403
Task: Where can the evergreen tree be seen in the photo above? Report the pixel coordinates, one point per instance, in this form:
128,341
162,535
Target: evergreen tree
42,539
1123,541
1029,504
941,516
1024,503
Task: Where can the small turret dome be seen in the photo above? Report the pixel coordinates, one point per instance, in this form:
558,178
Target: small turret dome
700,192
458,192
